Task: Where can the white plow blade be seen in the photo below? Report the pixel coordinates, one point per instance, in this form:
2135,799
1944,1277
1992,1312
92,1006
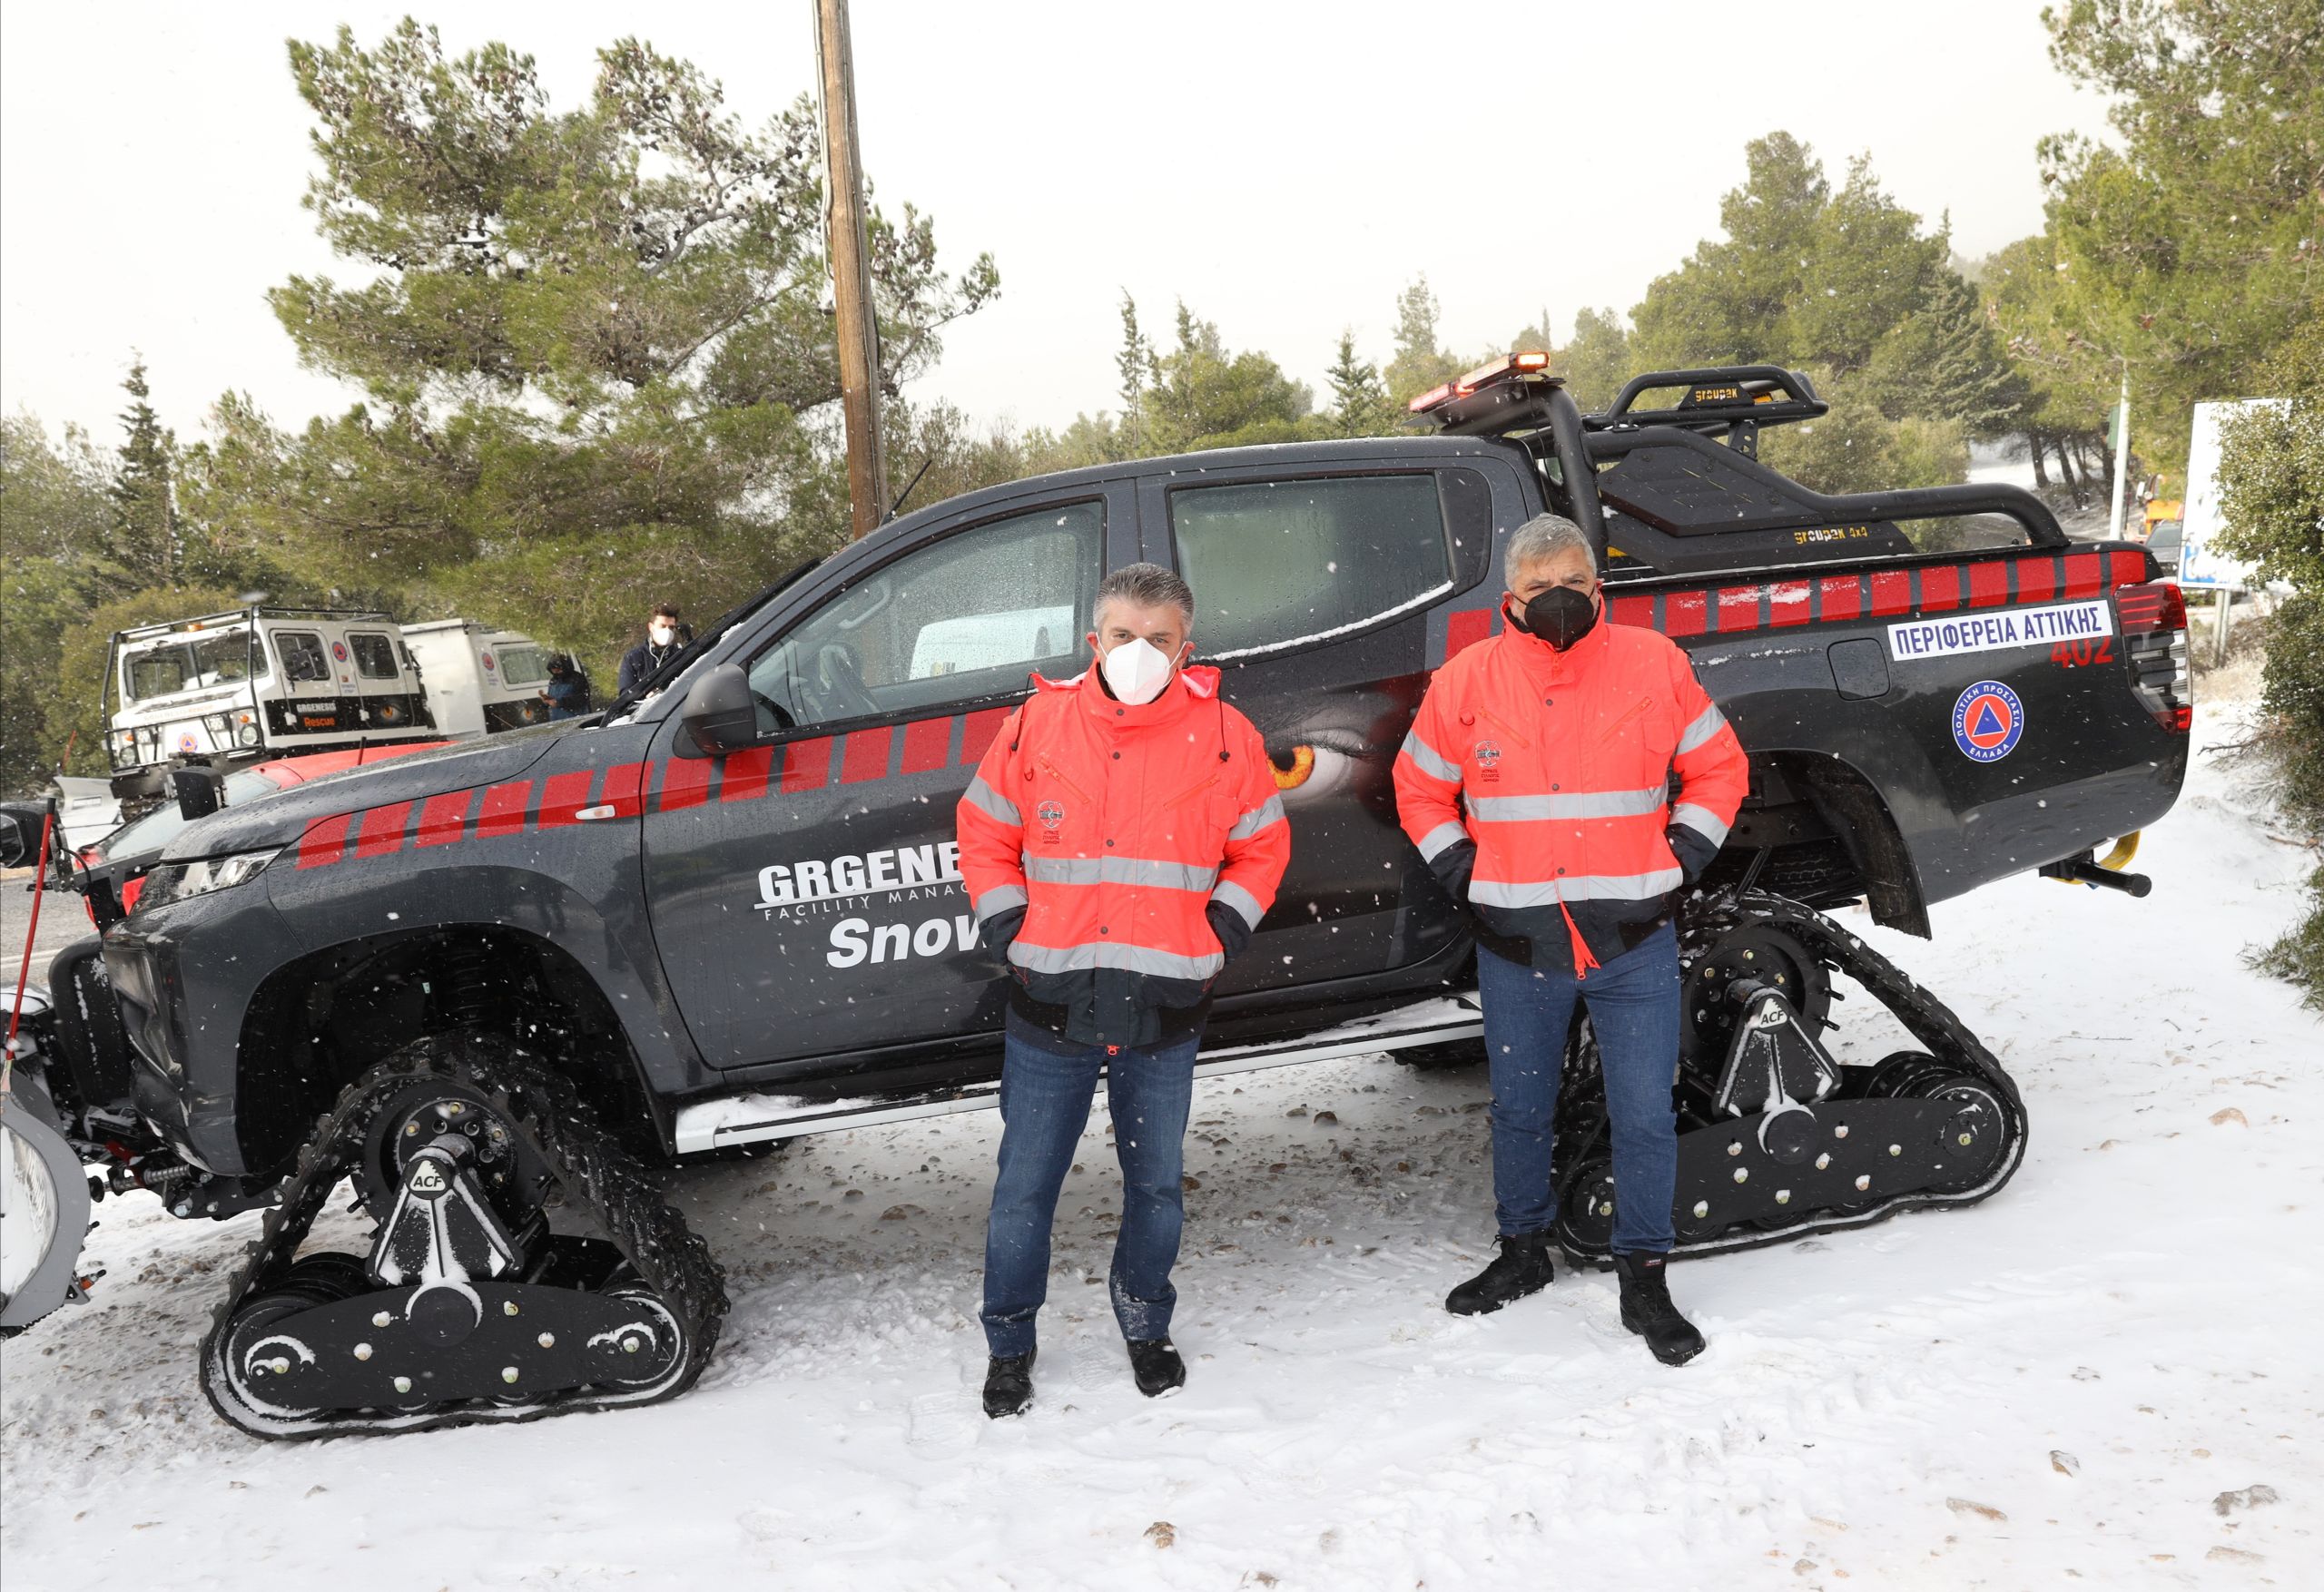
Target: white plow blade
43,1211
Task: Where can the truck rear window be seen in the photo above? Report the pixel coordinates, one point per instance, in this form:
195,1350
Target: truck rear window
1277,564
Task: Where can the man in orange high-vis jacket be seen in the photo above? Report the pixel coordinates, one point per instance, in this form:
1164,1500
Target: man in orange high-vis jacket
1536,784
1120,842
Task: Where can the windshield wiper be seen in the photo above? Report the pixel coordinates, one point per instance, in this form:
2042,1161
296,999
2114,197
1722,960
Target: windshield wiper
702,643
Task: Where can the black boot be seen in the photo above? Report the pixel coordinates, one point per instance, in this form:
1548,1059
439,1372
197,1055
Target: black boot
1156,1365
1522,1267
1009,1384
1647,1310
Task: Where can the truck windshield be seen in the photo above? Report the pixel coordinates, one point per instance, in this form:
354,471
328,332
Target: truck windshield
222,659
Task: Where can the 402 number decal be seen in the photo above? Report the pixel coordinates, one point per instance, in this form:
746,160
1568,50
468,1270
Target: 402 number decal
2082,654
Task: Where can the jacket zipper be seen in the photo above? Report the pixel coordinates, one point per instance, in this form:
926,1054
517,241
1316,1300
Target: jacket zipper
1628,714
1050,768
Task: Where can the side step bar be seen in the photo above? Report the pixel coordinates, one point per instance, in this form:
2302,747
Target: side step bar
748,1120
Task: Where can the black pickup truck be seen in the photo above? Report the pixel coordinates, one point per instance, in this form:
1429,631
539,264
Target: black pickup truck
728,910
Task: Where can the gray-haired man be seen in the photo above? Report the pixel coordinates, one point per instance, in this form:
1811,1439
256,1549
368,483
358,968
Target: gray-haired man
1120,842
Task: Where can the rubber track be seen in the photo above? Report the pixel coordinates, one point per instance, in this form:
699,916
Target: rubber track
1925,1017
548,1113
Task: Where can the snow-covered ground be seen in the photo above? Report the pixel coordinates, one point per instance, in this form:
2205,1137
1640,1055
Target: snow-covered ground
2107,1373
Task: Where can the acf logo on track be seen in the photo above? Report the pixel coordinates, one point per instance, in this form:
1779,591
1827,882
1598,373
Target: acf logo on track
1987,721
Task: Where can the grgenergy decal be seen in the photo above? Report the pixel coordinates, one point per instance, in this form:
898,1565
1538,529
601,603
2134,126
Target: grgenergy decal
791,891
798,884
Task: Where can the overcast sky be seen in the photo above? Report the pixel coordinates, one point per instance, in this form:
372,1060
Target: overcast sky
1284,168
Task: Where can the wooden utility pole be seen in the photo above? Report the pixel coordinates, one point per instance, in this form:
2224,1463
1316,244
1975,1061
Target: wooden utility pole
845,227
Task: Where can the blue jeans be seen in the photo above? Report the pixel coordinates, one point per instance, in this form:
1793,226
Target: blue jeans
1633,1003
1044,1106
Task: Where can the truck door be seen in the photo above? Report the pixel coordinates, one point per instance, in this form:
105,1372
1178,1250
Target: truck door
310,705
805,892
1325,600
389,693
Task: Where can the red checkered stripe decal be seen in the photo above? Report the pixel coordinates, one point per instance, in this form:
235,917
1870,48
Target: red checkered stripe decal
669,785
1878,594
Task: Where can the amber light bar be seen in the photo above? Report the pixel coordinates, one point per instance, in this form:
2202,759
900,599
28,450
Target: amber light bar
1521,364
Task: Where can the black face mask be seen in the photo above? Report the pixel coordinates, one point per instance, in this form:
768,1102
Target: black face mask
1560,616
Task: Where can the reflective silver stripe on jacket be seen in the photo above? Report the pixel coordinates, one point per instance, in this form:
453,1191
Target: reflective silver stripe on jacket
1430,762
1701,820
1001,898
1706,725
992,803
1598,887
1107,953
1258,818
1569,805
1440,839
1246,904
1141,870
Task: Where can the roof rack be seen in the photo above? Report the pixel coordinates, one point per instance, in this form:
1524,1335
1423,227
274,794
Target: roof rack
1734,399
202,622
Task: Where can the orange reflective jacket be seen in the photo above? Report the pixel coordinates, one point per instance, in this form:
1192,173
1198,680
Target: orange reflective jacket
1550,773
1116,827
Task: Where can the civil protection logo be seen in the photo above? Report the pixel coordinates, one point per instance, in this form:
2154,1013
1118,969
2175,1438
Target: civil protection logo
1051,814
1488,754
1987,721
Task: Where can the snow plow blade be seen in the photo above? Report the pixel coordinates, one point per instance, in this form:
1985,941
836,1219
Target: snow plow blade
43,1210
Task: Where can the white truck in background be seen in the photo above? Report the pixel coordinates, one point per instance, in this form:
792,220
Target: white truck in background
479,680
221,690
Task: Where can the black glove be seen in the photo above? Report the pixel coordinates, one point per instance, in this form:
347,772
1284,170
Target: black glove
1694,851
999,929
1234,934
1452,866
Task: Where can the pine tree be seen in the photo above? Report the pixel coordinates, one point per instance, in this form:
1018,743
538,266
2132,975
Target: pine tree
1947,362
145,545
1361,405
1419,363
1135,363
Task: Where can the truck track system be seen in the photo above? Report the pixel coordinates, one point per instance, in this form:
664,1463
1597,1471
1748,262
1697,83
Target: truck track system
467,1309
1777,1141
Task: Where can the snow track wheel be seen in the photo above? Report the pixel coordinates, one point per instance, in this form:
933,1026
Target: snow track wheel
468,1307
1937,1126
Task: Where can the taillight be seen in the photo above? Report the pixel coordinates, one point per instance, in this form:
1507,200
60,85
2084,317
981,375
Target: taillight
2153,618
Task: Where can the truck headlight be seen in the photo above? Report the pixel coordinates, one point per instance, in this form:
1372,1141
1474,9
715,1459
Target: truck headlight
177,881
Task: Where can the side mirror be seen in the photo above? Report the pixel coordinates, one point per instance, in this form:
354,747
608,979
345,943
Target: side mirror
719,713
20,824
201,791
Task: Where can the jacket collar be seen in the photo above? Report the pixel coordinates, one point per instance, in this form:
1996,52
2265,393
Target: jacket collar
1543,662
1196,683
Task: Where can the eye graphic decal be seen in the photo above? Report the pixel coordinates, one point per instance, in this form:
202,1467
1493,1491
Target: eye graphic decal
1315,768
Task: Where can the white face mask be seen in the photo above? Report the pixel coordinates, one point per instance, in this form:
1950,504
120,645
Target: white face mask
1136,671
663,635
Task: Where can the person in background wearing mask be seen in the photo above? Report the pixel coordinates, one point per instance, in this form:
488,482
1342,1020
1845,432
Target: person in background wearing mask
1536,784
665,636
1119,843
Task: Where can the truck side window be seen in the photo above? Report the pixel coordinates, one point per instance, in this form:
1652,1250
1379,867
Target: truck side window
1277,563
375,655
523,666
302,653
967,615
